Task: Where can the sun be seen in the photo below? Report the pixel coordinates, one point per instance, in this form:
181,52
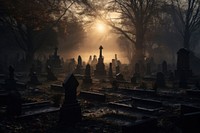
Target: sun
100,27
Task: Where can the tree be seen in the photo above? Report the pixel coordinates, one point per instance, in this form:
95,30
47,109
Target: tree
133,22
71,33
186,16
31,22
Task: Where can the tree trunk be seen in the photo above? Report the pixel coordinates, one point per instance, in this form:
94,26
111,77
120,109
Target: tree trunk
139,45
186,40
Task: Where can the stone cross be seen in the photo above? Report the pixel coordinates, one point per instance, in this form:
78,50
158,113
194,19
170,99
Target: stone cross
110,73
100,48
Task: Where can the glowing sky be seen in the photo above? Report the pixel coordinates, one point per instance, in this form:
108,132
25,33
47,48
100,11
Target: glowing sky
98,34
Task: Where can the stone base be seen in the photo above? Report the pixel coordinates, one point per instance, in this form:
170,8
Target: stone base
70,114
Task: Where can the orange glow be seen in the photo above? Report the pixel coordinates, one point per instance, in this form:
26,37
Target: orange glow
100,27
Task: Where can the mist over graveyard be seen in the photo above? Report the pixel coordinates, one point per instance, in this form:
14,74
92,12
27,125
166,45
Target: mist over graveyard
109,66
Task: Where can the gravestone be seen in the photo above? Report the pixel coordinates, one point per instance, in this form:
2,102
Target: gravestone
90,60
110,72
13,107
50,74
87,78
160,79
94,61
183,71
71,65
79,67
100,67
70,112
54,61
117,69
136,75
164,67
134,78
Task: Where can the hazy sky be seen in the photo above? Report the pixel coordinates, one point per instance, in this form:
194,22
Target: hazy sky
98,34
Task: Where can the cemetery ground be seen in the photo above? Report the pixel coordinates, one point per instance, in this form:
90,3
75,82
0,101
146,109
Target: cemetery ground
127,108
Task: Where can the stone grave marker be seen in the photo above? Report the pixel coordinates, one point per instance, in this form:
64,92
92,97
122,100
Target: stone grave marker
87,78
117,69
70,112
79,67
183,71
110,72
100,67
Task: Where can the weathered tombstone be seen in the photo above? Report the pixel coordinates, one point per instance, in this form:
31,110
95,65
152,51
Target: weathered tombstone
79,67
117,69
135,78
160,79
55,61
110,72
13,107
50,75
94,61
70,112
183,71
164,67
87,78
90,60
100,67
